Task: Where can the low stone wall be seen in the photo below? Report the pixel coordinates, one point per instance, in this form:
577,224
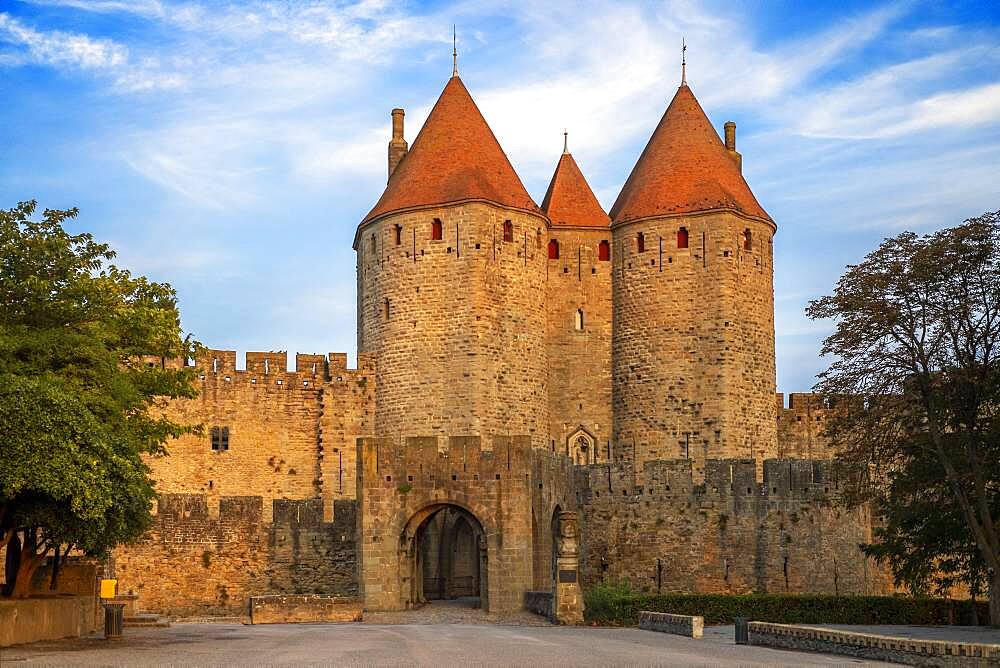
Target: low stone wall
33,619
298,608
681,625
870,646
539,602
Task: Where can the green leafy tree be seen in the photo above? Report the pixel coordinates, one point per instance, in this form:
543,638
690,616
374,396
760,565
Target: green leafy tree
86,362
917,351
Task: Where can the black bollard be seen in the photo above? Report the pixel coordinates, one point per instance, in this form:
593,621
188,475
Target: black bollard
742,631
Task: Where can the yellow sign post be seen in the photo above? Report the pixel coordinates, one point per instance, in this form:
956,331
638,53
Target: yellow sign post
109,588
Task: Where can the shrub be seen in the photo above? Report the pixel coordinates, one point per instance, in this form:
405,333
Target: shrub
615,604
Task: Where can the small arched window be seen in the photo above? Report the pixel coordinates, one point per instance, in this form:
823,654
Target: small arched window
374,247
747,239
508,230
604,251
640,242
436,233
682,238
399,234
553,249
578,320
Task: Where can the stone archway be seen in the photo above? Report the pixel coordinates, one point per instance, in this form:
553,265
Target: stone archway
444,556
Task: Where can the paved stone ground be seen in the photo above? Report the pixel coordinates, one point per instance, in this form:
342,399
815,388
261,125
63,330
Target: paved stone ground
404,645
457,611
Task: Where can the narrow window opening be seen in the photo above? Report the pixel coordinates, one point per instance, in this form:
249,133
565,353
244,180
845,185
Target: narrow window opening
215,365
436,234
553,249
604,251
747,239
399,235
640,242
374,249
682,238
220,438
578,320
508,230
386,313
267,366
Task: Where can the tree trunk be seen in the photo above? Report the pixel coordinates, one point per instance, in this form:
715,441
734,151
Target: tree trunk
30,560
29,564
995,599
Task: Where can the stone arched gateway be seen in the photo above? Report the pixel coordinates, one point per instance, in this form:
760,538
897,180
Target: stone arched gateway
402,486
445,554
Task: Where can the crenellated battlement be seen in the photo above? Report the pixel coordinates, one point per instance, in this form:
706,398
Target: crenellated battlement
173,511
782,479
428,461
271,368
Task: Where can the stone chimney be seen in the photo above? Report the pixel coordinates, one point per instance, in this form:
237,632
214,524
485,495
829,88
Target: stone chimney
731,144
398,145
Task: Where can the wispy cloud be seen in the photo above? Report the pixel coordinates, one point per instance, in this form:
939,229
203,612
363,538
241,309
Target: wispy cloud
61,49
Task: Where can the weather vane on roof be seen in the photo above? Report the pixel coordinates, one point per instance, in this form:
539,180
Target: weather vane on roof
565,140
454,50
684,76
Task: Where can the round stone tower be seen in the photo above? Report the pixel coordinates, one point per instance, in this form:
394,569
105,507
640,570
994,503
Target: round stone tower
451,285
692,299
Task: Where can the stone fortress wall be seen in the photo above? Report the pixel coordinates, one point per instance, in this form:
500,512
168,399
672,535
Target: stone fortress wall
457,323
801,425
661,529
520,419
578,288
291,434
693,349
207,556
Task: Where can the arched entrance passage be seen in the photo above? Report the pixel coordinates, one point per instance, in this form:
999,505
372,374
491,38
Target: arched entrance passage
444,556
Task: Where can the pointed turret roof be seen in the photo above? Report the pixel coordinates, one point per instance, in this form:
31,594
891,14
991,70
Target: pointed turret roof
455,158
569,199
684,168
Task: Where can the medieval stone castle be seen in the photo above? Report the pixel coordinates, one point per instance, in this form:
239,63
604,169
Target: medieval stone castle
545,397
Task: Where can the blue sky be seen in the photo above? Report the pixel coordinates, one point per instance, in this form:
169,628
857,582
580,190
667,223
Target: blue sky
231,148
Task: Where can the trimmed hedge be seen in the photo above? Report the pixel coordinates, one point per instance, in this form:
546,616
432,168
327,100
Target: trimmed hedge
616,605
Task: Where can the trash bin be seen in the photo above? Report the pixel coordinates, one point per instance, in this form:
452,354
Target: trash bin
114,619
742,631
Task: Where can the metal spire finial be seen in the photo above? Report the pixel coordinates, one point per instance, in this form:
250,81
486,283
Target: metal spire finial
454,50
565,141
684,76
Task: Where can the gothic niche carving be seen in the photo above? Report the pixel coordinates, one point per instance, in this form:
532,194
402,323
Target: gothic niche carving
580,446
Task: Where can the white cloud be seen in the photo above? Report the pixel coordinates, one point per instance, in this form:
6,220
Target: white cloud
57,48
141,7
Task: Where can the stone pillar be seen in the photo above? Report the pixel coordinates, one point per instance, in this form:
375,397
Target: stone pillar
567,599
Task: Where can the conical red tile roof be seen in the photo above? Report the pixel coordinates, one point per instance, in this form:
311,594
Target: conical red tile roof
684,168
569,199
455,157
